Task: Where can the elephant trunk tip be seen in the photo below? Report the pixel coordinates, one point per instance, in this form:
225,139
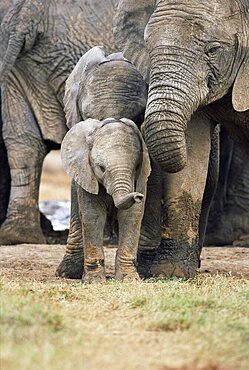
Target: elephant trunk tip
126,201
138,197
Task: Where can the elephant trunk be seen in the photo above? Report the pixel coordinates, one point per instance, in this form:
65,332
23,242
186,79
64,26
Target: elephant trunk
13,50
122,189
126,201
171,102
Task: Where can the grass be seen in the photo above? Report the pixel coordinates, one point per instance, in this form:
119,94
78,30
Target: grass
199,324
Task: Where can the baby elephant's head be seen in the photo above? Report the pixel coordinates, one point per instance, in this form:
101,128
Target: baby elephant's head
111,153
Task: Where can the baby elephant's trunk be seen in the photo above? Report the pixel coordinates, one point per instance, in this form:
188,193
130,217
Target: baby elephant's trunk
127,200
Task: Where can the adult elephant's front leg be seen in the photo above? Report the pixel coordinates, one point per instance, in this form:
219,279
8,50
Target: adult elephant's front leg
25,151
178,254
150,235
72,264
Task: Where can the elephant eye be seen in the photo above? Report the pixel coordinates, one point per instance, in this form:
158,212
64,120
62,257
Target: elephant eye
212,48
102,168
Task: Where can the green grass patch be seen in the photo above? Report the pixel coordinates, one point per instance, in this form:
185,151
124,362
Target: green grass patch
202,323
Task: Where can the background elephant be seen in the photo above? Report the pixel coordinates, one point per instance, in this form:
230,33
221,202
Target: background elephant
89,94
196,55
41,41
229,213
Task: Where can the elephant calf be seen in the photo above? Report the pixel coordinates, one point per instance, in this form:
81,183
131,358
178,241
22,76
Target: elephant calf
108,161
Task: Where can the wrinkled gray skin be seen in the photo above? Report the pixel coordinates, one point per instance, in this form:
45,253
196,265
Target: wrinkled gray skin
40,43
4,167
196,55
108,162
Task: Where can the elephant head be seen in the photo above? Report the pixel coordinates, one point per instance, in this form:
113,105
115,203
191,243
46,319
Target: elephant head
21,26
111,153
104,86
198,52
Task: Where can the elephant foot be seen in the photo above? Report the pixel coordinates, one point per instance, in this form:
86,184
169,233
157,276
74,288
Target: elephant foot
220,235
13,232
172,260
228,228
126,276
56,237
167,269
71,267
145,259
94,277
242,241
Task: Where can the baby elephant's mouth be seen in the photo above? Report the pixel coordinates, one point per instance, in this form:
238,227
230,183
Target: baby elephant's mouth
126,201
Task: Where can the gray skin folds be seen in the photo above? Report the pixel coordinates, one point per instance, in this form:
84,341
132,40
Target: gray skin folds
40,43
108,161
195,56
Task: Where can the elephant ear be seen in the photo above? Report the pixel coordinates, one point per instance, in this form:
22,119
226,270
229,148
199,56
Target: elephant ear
75,152
130,20
145,167
240,95
90,59
22,24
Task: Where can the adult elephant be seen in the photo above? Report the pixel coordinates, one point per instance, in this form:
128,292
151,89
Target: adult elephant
196,56
41,41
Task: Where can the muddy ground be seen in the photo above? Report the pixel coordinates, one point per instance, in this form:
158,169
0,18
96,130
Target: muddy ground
38,262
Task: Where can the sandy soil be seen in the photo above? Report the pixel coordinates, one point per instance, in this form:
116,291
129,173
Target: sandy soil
39,262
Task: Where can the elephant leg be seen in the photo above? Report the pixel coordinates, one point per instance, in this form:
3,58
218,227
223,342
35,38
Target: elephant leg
150,235
4,176
178,254
93,216
26,151
212,181
229,216
72,264
129,221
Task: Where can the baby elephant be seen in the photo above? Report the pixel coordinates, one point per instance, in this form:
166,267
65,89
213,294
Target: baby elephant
108,161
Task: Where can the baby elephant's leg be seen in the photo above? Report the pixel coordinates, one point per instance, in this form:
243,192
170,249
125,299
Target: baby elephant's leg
129,221
93,216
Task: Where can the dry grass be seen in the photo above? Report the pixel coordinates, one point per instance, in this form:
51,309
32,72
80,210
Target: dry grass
197,324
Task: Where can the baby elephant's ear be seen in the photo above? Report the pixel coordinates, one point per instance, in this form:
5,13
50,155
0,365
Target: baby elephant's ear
240,95
75,154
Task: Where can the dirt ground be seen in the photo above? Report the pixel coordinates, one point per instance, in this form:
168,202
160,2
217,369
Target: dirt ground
38,262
